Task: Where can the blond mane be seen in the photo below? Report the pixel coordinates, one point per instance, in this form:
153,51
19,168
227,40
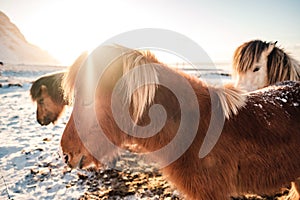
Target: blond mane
231,99
144,96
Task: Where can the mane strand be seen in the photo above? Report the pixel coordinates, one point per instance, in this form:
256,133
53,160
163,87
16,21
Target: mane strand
281,67
230,98
144,95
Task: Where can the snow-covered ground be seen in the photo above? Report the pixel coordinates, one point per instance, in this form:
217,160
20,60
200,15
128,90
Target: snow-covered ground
30,165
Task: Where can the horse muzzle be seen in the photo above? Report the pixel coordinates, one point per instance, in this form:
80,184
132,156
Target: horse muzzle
44,122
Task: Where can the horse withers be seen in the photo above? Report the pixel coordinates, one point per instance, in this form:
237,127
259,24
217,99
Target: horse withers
257,150
257,64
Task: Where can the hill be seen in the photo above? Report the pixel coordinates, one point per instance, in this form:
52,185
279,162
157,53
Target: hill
15,49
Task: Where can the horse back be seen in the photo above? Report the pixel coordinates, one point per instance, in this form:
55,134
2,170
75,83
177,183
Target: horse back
265,139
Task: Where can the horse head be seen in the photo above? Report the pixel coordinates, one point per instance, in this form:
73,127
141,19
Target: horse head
250,64
48,94
257,64
49,97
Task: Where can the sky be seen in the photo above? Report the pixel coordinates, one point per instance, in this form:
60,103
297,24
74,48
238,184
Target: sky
65,28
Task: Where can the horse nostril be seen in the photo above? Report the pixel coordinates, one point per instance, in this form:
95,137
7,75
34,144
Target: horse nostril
66,158
46,121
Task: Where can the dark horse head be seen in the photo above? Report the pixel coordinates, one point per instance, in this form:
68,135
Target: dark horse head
46,91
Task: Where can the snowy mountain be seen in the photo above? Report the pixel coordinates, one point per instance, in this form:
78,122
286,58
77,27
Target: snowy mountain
14,49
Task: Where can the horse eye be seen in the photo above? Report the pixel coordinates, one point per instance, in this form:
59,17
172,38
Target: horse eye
256,69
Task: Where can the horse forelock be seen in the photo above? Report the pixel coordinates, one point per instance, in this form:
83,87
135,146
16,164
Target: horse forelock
53,85
281,66
143,96
247,54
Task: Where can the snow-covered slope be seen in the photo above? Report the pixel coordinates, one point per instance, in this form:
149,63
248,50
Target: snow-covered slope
14,49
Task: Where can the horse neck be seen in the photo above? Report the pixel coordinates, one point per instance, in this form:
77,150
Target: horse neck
170,129
164,97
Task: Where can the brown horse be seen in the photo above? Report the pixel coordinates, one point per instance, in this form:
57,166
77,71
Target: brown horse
48,94
239,144
257,64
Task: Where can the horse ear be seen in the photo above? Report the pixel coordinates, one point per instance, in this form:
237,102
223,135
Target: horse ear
271,46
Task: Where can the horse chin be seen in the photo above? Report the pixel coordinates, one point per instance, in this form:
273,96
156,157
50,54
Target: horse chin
44,121
49,118
52,118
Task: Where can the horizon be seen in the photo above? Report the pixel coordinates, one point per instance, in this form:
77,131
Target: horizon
67,28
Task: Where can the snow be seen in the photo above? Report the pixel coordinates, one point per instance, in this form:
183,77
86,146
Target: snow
281,99
258,105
